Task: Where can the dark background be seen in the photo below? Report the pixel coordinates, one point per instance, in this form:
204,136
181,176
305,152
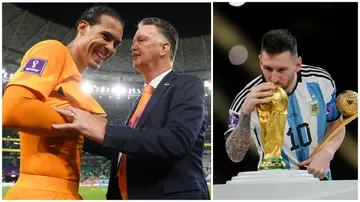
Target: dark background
190,19
327,35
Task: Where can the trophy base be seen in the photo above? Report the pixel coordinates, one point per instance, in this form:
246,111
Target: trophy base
272,164
273,177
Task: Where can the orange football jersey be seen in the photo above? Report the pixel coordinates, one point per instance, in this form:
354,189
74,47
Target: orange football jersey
49,69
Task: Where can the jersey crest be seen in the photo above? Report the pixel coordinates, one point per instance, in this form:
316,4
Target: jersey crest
314,107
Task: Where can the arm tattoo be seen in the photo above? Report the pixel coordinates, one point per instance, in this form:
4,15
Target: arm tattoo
238,141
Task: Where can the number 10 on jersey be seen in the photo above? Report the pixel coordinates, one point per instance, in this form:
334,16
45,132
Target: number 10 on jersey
301,142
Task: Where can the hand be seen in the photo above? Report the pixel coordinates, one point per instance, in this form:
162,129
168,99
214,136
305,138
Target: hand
318,165
91,126
256,96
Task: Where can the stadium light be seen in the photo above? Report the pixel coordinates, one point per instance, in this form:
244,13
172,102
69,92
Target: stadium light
238,55
118,90
100,96
86,87
236,4
102,89
110,97
207,84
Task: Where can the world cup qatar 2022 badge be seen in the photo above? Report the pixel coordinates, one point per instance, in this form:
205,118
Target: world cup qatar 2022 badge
233,120
314,107
35,66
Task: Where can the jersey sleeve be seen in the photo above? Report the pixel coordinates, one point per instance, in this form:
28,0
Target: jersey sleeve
19,107
235,108
232,122
332,112
328,89
41,67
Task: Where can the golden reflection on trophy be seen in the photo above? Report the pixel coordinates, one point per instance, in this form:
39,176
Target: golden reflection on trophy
272,117
347,103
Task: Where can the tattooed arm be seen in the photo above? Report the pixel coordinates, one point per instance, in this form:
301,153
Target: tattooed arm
238,142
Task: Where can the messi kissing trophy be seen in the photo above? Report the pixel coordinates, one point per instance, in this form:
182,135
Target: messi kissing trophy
274,180
272,169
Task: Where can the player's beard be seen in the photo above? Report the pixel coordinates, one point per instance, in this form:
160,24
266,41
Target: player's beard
290,85
94,66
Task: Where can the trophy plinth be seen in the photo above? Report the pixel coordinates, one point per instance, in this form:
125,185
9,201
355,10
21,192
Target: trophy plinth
274,177
272,117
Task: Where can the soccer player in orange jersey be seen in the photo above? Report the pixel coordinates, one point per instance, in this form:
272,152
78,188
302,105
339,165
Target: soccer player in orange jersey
50,76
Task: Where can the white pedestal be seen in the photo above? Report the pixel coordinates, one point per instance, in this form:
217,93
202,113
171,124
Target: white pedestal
274,176
292,185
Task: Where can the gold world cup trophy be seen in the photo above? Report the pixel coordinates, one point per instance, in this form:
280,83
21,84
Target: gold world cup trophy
272,117
347,105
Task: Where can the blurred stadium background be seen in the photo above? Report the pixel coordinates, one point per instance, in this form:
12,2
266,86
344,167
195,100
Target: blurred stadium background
117,84
327,35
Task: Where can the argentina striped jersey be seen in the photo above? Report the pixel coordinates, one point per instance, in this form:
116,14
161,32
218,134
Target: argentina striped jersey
310,106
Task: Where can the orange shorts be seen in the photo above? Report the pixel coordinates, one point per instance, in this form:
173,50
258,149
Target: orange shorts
42,187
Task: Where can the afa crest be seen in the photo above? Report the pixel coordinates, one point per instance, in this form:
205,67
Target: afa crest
314,107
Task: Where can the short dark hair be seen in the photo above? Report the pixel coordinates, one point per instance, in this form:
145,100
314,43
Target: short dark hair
166,29
279,41
93,14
